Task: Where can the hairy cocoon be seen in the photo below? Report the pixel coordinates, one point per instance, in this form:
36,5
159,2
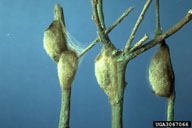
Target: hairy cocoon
106,74
161,75
55,40
67,67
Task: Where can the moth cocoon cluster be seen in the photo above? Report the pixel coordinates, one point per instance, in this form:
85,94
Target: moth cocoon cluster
55,40
67,67
106,73
161,75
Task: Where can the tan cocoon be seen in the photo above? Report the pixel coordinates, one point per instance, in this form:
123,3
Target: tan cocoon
106,74
67,67
55,40
161,75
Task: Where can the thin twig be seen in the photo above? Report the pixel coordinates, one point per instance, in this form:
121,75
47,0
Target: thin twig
119,19
158,30
162,37
107,31
100,14
170,109
65,108
171,99
95,15
140,18
99,20
140,42
89,47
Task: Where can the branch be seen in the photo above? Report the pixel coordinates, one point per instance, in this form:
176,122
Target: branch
65,108
96,16
100,13
139,43
162,37
170,109
89,47
140,18
107,31
119,19
158,27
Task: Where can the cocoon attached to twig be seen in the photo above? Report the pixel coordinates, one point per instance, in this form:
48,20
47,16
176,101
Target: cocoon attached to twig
161,75
106,74
55,40
67,67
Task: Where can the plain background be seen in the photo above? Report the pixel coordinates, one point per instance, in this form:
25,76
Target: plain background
29,87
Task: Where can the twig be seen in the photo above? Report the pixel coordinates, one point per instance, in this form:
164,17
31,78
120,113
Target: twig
66,93
100,13
140,18
89,47
65,108
170,109
95,15
162,37
119,19
158,27
117,110
171,99
139,43
107,31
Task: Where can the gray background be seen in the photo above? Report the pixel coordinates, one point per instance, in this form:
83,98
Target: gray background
29,87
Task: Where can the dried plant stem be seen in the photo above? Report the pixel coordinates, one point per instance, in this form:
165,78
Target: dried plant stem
100,14
112,78
117,111
140,42
119,19
96,13
107,31
170,109
65,108
117,106
103,78
119,60
89,47
141,17
158,27
171,98
162,37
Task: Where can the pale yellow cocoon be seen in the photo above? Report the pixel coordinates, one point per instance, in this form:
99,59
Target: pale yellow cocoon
67,67
54,40
106,74
161,75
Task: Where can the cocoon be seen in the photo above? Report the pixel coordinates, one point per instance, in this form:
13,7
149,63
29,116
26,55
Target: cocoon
55,40
67,67
161,75
106,74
